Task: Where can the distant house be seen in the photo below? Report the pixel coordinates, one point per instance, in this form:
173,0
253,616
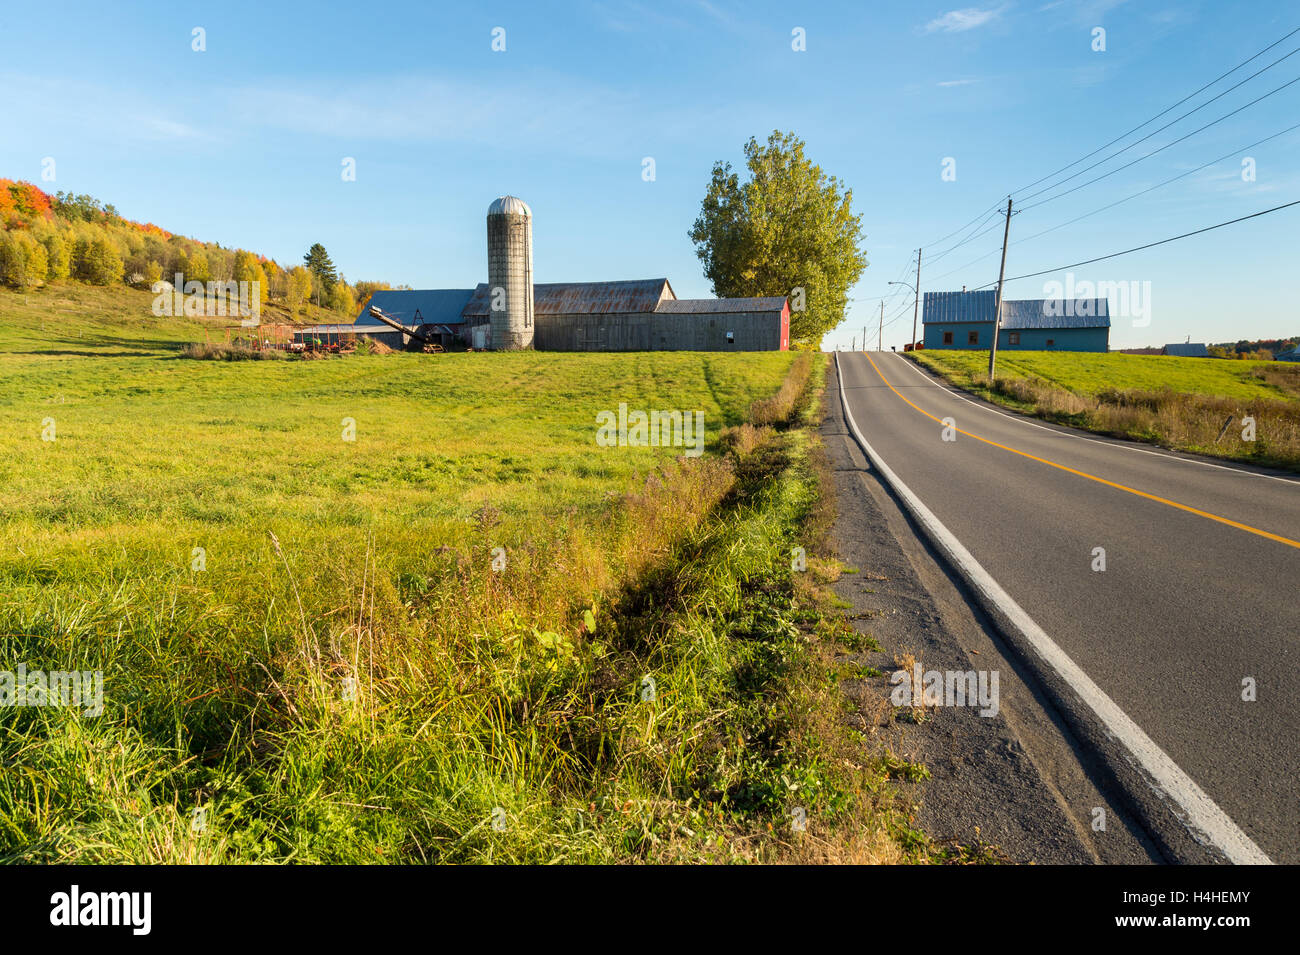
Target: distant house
1290,355
965,320
1186,350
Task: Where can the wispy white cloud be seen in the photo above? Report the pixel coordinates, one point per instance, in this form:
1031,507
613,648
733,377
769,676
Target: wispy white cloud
629,16
955,82
539,112
131,116
959,21
543,109
162,128
1080,12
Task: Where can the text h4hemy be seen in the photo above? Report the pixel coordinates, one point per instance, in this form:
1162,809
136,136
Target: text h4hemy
1211,896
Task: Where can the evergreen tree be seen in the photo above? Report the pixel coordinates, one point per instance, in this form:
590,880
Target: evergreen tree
318,264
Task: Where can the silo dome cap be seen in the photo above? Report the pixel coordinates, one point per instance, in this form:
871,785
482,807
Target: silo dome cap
509,205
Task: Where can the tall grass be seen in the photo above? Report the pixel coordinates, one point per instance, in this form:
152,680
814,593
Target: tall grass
780,407
348,677
217,351
1205,423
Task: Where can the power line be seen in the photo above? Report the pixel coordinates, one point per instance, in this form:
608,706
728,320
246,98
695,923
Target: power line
907,267
1161,113
974,235
973,261
1167,125
902,313
997,206
1119,169
984,231
902,310
967,265
1181,175
1149,245
1117,202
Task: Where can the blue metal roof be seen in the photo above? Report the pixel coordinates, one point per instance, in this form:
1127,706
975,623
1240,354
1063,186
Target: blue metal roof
1188,350
951,307
1056,313
417,306
979,306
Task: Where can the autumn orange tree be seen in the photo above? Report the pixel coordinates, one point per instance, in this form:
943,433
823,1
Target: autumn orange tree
52,238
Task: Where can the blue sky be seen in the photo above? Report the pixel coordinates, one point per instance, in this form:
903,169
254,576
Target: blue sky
243,143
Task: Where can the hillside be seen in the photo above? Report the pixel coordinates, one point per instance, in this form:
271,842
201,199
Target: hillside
74,318
63,238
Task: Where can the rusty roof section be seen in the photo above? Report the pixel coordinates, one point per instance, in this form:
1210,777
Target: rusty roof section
710,306
594,298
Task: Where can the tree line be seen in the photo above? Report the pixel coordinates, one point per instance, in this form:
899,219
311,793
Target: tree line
51,238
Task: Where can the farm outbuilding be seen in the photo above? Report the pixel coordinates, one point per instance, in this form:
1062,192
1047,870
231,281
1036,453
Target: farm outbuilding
434,314
645,315
510,311
325,336
965,320
1186,350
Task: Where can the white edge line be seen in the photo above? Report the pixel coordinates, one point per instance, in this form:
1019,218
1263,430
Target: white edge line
1116,444
1199,813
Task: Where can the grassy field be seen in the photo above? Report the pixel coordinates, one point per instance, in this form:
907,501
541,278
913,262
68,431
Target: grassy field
70,319
1181,403
402,608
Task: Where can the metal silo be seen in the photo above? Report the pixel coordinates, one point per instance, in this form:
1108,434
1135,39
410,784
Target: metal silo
510,273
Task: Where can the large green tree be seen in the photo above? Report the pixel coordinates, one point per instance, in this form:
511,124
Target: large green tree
788,230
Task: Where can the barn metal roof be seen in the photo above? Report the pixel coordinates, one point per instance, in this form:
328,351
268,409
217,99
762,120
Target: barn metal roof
958,306
598,298
417,306
1056,313
1188,350
709,306
979,306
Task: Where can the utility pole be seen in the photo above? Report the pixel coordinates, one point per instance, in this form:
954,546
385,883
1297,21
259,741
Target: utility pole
853,344
917,303
864,337
997,309
880,337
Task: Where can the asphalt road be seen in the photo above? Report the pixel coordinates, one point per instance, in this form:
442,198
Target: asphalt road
1201,587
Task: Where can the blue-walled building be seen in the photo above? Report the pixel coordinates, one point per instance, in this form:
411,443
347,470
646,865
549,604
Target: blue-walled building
965,320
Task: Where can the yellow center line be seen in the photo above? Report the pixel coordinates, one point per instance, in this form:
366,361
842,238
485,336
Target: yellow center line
1092,477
